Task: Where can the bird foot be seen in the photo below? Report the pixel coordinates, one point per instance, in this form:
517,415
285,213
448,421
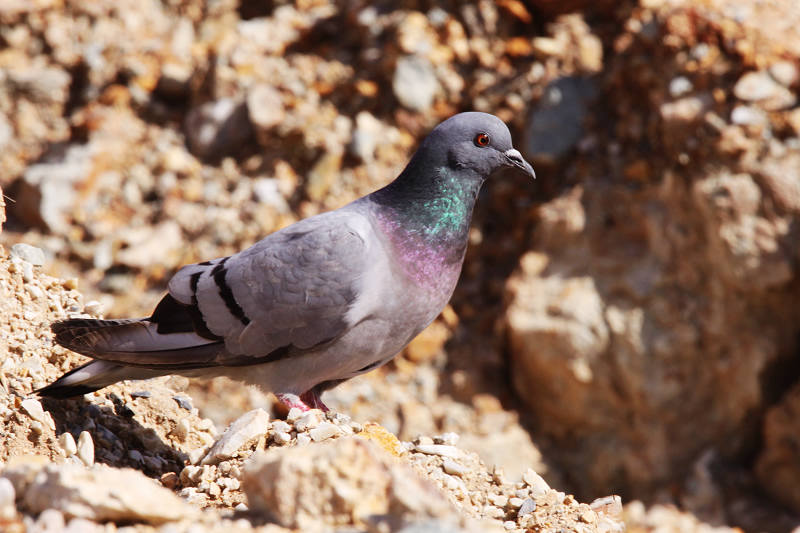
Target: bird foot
305,402
313,398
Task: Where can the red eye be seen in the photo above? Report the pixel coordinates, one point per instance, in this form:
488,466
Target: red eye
482,139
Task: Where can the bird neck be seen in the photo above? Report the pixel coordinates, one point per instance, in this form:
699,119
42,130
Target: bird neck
427,220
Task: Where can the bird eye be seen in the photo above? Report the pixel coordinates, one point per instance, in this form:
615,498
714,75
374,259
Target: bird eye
482,139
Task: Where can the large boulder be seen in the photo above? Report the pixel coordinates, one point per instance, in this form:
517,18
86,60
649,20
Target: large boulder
656,314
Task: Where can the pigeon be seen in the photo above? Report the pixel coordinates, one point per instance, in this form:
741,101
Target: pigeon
323,300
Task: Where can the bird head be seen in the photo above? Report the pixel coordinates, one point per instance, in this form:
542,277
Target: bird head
477,142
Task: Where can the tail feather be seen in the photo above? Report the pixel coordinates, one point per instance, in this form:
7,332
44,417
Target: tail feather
92,376
126,349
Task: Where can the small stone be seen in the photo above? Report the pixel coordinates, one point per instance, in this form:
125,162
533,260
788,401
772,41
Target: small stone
182,429
556,124
528,506
196,455
7,497
608,505
303,439
213,490
588,516
281,437
243,432
215,129
450,439
515,503
441,450
324,431
183,401
241,507
169,480
37,429
365,137
265,109
94,308
27,272
509,525
454,468
686,109
679,86
86,448
309,420
33,407
784,72
280,425
141,394
744,115
498,500
293,414
493,512
190,474
414,83
761,87
67,443
28,253
536,482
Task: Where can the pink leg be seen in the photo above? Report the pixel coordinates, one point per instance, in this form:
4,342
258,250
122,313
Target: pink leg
313,398
305,402
293,400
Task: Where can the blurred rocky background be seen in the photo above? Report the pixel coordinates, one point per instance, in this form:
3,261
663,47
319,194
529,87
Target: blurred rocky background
629,323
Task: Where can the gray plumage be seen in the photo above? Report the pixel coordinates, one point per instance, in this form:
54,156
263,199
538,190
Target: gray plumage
321,301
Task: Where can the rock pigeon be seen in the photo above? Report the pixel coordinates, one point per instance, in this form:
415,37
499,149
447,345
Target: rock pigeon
318,302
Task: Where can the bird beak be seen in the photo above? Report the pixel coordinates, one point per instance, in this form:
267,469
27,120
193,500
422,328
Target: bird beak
514,159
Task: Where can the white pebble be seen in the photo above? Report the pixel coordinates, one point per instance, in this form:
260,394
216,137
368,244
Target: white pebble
294,414
93,307
324,431
27,272
7,494
86,448
67,443
33,407
450,439
281,437
454,468
303,439
498,500
196,454
442,450
30,254
35,292
536,482
182,429
280,425
309,420
37,429
190,474
509,525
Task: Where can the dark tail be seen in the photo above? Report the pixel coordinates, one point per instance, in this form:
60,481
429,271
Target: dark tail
125,349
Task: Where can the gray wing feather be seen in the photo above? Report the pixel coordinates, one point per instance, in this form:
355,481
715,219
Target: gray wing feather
292,289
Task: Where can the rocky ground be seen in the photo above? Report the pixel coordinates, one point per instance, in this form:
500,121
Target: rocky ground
628,324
